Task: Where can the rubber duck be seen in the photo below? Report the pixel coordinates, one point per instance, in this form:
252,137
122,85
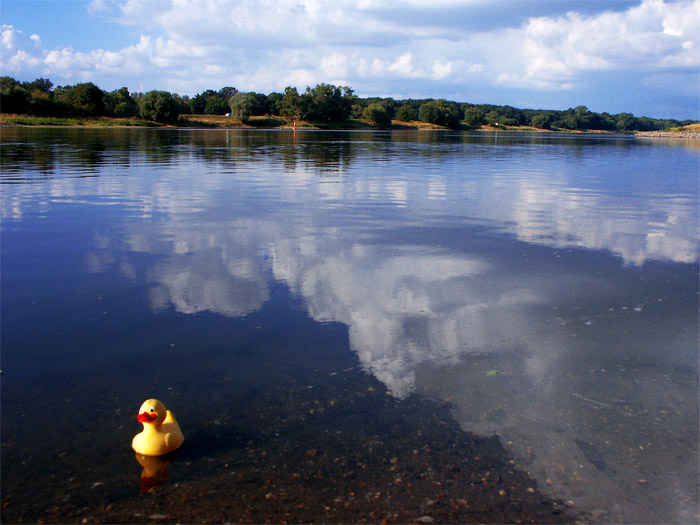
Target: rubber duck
161,433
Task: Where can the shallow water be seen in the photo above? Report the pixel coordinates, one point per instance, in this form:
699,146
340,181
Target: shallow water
351,326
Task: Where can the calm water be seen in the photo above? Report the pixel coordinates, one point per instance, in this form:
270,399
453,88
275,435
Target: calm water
543,288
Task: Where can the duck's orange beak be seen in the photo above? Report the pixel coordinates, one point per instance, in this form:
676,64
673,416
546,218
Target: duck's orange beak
145,417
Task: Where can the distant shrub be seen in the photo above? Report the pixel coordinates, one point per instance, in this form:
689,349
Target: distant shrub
158,106
542,121
439,112
474,116
406,113
243,106
377,115
87,99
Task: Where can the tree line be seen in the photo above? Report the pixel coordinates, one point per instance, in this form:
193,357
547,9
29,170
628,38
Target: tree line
322,104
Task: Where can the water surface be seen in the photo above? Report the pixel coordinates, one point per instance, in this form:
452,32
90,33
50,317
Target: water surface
331,297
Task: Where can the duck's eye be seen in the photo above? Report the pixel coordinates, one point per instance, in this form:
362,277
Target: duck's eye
152,409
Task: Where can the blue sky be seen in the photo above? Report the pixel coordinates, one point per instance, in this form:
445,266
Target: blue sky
638,56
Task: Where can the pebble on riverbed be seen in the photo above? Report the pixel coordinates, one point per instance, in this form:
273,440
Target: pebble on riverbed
400,462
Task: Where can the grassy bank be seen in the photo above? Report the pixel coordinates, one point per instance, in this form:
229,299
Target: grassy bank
27,120
224,122
202,121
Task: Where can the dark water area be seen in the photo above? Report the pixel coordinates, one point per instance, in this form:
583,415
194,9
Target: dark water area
406,326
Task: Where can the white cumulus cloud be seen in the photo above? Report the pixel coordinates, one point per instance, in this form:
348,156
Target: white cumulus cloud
652,36
398,48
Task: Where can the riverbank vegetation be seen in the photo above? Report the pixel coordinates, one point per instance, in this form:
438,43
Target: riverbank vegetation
325,105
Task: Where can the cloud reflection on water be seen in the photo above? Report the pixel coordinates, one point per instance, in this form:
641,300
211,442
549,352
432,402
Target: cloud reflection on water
497,288
582,362
589,373
540,191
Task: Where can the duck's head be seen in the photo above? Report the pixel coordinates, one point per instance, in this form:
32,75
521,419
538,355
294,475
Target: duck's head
152,411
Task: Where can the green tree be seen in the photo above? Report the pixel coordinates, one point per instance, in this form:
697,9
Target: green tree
579,118
542,121
13,96
626,122
243,106
389,104
261,106
120,103
183,104
39,97
293,105
216,105
212,102
273,101
87,99
439,112
62,99
584,118
648,124
357,109
158,106
329,103
570,122
474,116
606,122
199,101
377,115
41,103
406,113
41,84
492,117
227,92
511,116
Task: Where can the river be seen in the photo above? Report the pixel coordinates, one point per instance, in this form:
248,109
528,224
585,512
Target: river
350,326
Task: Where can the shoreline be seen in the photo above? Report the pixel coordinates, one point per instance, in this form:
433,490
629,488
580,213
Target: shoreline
221,122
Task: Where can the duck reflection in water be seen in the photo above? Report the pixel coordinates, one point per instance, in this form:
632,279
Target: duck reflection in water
155,471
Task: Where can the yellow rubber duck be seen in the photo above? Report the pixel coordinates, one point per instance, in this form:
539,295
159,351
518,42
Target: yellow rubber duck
161,433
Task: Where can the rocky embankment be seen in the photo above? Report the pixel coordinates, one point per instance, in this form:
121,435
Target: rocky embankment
685,134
